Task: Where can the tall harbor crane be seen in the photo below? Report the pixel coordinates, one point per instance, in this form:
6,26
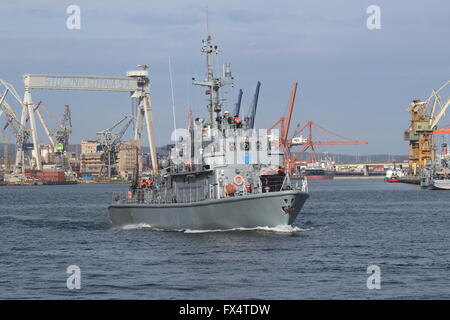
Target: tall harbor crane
110,146
49,134
237,106
284,123
22,136
249,120
291,160
62,134
59,138
18,127
424,118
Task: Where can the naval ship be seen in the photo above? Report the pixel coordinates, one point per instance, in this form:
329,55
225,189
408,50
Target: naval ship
221,173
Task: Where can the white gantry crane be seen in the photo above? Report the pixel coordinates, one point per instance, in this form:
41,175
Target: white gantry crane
136,83
110,145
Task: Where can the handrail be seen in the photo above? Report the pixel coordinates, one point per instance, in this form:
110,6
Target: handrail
165,195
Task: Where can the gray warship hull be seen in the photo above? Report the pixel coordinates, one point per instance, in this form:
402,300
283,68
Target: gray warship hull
255,210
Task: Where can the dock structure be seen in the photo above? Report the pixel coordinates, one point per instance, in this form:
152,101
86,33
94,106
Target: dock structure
410,179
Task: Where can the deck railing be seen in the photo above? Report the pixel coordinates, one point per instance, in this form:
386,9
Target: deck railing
156,195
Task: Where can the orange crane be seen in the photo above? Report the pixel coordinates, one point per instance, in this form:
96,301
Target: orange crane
309,143
290,161
443,130
284,123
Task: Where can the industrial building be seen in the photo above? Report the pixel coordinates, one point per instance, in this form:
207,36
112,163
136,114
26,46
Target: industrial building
128,159
90,158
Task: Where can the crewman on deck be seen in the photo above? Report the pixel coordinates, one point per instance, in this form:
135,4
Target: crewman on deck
237,121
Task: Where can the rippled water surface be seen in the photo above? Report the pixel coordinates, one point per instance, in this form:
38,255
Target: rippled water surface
345,226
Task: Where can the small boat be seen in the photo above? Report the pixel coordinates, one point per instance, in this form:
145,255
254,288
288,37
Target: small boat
394,175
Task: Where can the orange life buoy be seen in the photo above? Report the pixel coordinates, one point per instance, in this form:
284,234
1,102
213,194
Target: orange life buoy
238,180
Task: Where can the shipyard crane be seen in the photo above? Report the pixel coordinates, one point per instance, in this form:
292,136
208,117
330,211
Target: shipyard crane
249,120
136,82
21,134
292,160
63,131
110,145
49,134
59,139
18,127
424,118
284,123
309,143
237,106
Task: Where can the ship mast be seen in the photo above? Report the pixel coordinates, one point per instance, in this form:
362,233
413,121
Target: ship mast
214,83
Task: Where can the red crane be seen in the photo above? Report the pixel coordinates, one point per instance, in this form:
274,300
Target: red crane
284,123
443,130
309,143
290,161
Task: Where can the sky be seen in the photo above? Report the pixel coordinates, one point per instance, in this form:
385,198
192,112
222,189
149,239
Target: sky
352,80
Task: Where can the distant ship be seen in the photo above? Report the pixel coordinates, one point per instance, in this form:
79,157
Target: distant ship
321,170
214,177
318,173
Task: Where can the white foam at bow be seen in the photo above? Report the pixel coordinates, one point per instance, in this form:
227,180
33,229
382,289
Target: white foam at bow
280,229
